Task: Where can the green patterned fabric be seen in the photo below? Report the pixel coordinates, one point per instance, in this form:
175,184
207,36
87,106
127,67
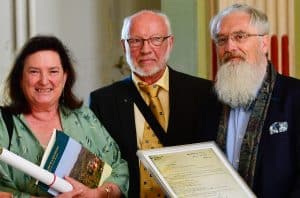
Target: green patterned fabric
80,124
251,140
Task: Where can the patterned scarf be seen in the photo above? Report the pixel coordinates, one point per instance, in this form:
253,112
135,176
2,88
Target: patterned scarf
250,144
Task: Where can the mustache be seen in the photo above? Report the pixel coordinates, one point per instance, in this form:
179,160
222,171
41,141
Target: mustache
231,55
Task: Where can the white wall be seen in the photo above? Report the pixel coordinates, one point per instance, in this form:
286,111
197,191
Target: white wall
6,38
90,28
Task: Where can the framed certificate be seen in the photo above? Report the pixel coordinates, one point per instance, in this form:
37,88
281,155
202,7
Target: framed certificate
194,170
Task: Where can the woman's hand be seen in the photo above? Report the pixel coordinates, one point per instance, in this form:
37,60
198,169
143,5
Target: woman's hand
10,195
107,190
79,190
111,190
5,195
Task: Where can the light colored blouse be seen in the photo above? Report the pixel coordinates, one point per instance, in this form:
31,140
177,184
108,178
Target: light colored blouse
80,124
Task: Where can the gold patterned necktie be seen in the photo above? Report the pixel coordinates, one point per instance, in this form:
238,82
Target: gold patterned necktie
149,187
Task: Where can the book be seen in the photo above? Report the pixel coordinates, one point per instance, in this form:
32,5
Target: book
33,170
64,156
194,170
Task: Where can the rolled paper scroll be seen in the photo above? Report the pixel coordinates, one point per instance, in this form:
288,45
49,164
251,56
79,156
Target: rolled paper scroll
35,171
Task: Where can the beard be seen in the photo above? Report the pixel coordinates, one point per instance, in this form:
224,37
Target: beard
137,69
237,83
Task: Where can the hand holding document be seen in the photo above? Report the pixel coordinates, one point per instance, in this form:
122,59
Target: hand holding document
35,171
195,170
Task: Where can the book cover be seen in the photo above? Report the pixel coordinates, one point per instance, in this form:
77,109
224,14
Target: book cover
64,156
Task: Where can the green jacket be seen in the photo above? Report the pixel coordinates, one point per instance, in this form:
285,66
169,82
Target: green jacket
80,124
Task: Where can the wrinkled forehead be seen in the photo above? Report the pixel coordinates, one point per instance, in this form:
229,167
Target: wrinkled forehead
147,24
235,22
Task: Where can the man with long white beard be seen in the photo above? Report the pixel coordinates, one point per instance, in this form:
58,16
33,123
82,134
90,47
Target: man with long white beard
260,123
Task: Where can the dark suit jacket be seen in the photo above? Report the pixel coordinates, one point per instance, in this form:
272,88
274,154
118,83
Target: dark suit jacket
277,173
278,161
192,111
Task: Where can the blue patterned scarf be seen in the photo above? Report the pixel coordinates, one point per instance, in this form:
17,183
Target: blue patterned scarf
250,144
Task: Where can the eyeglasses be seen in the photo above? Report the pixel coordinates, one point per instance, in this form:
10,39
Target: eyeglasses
139,42
239,37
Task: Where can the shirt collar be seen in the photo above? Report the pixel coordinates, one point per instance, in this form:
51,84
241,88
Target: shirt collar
163,82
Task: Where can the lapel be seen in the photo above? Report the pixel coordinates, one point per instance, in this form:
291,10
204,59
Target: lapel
126,114
172,97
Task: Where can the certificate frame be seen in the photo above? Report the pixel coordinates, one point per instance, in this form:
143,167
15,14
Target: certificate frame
163,163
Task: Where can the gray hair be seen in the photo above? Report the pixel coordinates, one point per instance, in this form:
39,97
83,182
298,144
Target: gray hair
127,22
257,18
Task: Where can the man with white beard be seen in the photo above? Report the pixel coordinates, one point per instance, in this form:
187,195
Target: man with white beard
260,123
187,102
